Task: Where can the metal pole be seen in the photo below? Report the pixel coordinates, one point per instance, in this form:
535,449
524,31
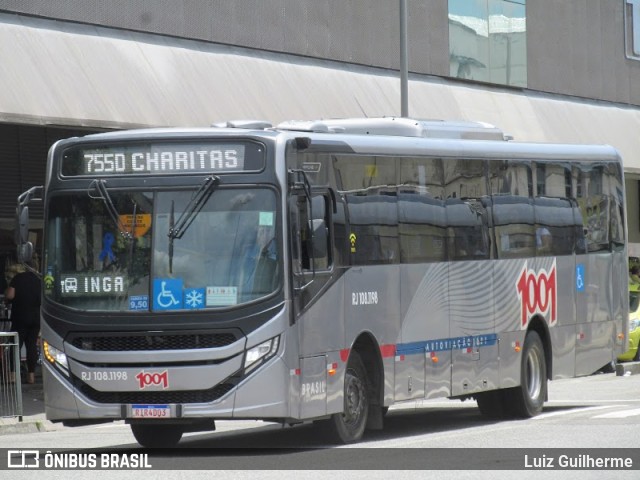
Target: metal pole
18,384
404,63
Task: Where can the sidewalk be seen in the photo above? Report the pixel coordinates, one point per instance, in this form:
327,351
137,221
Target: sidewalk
33,417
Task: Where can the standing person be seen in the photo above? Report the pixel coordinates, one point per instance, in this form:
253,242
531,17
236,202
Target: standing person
24,294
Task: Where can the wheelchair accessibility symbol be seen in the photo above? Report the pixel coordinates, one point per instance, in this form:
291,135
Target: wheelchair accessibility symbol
167,294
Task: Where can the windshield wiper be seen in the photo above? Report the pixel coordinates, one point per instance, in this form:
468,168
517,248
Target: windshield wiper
171,226
199,198
132,236
100,186
194,206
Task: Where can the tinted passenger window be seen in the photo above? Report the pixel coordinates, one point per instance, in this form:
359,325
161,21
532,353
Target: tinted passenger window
374,229
369,186
421,211
513,213
615,190
465,185
554,216
594,205
555,227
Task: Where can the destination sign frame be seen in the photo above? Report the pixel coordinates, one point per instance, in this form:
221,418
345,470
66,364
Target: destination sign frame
98,284
162,158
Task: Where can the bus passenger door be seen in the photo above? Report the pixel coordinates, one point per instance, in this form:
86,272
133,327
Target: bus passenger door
311,246
317,300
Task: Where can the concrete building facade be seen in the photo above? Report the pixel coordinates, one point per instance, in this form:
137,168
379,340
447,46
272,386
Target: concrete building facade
554,71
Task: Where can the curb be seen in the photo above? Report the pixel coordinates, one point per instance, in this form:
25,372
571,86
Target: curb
627,368
35,424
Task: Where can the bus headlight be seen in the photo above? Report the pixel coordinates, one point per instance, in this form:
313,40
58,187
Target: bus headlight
55,357
633,324
261,353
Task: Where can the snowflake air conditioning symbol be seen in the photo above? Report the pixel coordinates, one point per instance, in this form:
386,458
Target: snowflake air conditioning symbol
194,298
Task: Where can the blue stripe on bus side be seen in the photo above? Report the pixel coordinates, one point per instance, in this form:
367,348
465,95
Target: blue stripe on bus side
443,344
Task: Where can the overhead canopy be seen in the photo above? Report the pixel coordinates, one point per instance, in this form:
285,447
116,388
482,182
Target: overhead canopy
78,75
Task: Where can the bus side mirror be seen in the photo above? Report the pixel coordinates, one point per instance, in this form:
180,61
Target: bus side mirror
25,252
24,246
22,229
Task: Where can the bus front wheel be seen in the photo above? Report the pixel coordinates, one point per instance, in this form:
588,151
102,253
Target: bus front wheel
528,399
157,436
348,426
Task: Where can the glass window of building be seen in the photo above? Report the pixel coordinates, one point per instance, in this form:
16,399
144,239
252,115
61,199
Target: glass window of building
488,41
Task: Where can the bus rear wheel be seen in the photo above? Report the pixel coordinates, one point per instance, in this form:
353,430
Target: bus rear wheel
349,426
157,436
528,399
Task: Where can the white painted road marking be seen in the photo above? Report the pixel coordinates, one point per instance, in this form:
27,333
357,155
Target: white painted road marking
621,414
542,416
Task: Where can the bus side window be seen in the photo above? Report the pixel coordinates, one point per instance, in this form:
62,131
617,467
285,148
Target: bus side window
592,196
465,183
616,206
373,228
555,226
468,230
580,231
513,211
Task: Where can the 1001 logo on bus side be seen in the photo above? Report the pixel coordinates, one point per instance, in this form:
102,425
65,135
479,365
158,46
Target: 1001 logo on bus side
537,292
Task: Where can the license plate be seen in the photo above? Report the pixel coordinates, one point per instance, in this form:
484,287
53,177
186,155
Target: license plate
150,411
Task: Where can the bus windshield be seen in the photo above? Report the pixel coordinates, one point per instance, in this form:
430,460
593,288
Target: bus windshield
120,255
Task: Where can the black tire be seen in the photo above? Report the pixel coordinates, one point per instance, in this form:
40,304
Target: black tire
528,399
157,436
349,426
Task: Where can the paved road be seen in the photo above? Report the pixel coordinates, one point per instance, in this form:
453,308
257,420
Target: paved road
601,411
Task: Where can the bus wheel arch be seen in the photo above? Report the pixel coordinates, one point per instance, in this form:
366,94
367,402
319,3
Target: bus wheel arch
363,393
527,400
348,425
538,325
369,351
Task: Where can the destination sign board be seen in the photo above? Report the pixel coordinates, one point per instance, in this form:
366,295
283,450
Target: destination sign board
163,158
98,284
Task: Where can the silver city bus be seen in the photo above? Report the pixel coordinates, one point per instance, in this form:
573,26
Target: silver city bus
322,271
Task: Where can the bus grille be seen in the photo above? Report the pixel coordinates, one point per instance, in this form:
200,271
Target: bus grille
179,396
155,341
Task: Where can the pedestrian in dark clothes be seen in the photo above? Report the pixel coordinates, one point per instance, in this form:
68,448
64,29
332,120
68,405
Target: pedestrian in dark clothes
24,294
